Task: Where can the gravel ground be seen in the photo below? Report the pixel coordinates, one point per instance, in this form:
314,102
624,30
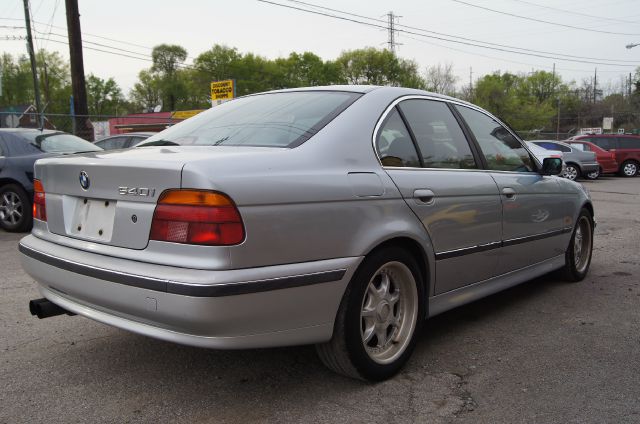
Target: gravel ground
542,352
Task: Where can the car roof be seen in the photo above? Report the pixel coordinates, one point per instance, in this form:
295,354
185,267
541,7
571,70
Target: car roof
363,89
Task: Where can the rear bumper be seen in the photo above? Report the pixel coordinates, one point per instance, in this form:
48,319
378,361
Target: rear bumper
246,308
590,167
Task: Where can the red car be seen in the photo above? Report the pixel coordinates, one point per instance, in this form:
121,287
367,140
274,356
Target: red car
606,159
625,147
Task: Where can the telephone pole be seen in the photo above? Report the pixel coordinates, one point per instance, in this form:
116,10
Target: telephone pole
77,71
32,56
595,85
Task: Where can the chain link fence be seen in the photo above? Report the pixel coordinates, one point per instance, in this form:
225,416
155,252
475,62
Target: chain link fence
90,127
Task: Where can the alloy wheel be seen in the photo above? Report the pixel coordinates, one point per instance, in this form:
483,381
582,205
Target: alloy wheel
630,169
389,312
582,244
11,208
570,173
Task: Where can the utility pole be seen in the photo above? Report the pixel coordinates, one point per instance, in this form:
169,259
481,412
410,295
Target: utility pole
595,85
391,19
558,124
32,56
470,83
629,94
77,71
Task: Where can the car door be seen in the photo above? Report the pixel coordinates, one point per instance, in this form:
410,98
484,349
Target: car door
3,155
424,150
534,212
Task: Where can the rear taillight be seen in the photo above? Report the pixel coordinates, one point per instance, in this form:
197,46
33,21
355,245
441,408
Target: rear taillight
39,206
197,217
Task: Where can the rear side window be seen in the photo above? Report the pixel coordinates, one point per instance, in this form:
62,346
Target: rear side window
268,120
394,144
113,143
628,143
440,139
501,149
581,147
604,142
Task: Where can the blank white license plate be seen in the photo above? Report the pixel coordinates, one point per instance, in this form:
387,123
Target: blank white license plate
93,219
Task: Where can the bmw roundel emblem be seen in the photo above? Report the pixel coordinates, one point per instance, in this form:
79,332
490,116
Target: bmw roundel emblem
84,180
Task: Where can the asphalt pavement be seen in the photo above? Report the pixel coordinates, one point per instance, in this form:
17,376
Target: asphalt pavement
543,352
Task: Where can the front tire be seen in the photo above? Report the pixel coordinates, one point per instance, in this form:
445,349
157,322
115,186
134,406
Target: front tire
380,314
578,255
15,209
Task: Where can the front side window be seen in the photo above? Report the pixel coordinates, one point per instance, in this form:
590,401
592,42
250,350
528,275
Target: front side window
394,144
266,120
440,139
500,148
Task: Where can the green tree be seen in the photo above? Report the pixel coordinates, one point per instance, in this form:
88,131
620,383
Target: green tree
167,59
147,92
17,85
104,96
378,67
513,99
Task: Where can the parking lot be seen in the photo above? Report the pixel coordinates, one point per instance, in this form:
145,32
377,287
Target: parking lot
543,352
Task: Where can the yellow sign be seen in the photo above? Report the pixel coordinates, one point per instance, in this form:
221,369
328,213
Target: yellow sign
185,114
222,90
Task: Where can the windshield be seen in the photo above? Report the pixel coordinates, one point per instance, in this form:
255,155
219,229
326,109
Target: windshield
270,120
60,143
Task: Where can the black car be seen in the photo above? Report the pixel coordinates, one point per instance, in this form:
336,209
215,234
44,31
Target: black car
123,141
19,149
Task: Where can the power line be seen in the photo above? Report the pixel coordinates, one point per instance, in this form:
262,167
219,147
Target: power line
140,56
541,20
474,44
471,39
572,12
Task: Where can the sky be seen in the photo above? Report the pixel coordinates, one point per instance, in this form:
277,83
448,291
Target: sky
602,29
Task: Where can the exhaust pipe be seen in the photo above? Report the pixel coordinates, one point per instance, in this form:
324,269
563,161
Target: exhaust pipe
44,308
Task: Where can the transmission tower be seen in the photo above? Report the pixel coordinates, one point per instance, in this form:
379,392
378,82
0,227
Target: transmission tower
392,21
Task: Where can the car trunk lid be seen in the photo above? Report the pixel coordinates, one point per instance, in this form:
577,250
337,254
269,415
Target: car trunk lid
108,198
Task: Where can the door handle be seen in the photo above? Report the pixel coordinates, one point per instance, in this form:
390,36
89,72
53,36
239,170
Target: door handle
509,193
424,195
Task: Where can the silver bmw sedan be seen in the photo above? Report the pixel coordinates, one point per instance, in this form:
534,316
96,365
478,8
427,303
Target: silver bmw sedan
340,216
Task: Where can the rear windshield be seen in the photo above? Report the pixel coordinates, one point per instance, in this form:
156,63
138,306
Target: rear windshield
269,120
59,143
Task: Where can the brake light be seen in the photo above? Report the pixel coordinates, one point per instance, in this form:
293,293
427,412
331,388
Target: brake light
197,217
39,206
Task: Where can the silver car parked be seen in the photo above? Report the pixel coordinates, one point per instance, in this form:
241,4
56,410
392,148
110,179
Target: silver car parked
338,216
578,162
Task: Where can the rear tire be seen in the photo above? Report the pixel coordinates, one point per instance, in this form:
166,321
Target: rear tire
629,168
380,314
578,255
15,209
593,175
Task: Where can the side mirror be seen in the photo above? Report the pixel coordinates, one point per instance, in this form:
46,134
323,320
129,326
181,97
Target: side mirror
551,166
